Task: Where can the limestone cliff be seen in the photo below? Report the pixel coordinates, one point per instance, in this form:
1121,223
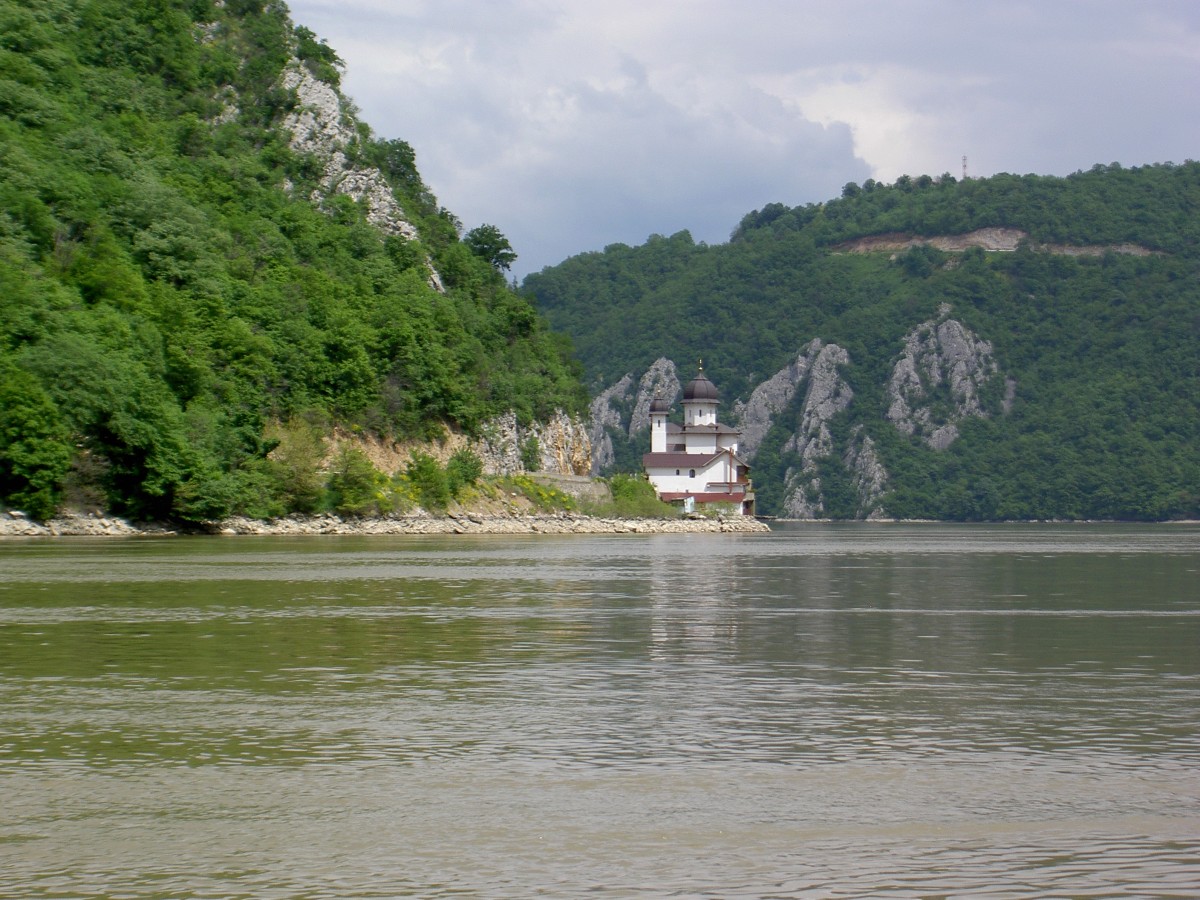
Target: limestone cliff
936,383
756,415
867,474
603,414
660,380
503,445
827,395
623,409
321,126
562,443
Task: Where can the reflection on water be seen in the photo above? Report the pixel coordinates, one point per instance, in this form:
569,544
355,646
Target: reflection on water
823,711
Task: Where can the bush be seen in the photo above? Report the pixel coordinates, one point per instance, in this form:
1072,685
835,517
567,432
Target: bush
34,452
294,465
355,486
428,482
543,497
463,471
634,497
531,454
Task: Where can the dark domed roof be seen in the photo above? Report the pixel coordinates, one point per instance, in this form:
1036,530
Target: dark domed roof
700,388
660,405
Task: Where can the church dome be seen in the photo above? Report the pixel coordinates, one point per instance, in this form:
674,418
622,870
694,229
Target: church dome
700,388
659,405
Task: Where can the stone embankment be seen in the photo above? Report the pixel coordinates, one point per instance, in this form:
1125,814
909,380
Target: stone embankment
15,525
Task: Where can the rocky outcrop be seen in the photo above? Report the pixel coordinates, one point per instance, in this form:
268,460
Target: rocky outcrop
867,475
320,126
660,380
621,408
603,414
563,445
814,376
756,416
936,383
827,395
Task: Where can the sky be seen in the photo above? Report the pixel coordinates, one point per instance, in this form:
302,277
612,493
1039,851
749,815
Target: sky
574,124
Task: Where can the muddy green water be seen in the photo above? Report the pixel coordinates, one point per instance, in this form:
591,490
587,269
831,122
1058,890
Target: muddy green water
824,711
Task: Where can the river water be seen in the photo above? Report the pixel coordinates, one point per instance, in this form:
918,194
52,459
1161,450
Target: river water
824,711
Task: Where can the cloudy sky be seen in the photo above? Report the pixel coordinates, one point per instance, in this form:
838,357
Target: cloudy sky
573,124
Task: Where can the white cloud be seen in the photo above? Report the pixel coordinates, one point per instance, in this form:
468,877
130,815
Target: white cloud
571,125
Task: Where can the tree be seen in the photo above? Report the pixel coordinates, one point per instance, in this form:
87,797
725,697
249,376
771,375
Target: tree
34,447
489,244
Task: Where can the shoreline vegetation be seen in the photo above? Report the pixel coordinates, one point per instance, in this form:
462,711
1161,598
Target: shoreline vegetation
99,525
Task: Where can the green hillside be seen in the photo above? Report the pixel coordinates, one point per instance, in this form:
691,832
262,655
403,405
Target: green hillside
1095,317
173,298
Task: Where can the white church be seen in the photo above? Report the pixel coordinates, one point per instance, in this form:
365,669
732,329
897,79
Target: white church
696,464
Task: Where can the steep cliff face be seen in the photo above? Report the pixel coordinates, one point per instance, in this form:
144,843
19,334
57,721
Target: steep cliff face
320,126
625,409
936,383
756,416
603,414
660,380
867,475
562,444
827,395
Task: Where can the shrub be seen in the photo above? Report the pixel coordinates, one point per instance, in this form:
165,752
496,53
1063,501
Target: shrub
355,486
428,482
34,448
463,471
634,497
543,497
531,454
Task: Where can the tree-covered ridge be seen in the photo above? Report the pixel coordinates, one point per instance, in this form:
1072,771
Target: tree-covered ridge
1104,350
1152,205
168,289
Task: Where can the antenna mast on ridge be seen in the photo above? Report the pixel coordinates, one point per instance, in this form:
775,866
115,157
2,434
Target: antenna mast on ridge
964,167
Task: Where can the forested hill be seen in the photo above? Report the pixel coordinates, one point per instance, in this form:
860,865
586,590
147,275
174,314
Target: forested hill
203,253
1068,307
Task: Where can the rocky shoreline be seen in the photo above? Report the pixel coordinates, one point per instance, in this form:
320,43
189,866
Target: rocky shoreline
87,525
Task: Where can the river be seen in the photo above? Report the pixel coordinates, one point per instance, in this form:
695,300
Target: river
823,711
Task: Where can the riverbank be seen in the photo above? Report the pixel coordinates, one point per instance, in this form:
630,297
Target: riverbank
87,525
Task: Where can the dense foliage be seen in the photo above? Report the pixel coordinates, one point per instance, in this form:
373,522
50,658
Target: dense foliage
168,291
1104,349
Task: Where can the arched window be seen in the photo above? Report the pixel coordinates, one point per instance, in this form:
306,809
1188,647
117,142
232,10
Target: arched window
691,473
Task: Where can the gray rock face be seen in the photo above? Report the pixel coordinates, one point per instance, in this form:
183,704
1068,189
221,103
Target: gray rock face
606,410
943,367
320,126
602,415
815,373
827,395
756,415
867,475
660,380
564,447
